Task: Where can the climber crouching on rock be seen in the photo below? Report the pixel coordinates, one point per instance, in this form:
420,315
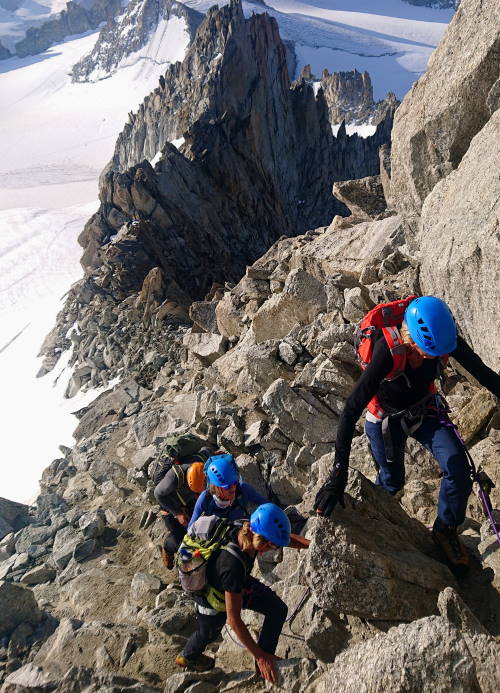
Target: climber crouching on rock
405,358
177,494
231,588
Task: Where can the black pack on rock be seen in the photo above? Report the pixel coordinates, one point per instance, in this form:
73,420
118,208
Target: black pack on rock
178,449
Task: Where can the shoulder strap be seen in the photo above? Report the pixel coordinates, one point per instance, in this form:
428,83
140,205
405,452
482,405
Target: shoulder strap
234,550
398,351
181,477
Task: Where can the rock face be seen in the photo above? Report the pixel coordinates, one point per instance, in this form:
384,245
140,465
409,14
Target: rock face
75,19
203,101
436,123
128,33
349,96
460,249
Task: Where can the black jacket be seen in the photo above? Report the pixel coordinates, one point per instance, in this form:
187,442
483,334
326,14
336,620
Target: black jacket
404,391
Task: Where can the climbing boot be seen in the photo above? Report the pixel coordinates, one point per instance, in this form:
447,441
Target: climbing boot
455,552
200,663
167,558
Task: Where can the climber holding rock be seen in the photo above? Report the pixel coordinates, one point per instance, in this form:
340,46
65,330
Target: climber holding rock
179,481
230,588
226,495
403,346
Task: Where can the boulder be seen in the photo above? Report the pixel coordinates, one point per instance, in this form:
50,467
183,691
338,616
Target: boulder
33,536
144,588
14,514
204,316
92,524
324,376
81,642
143,457
302,298
438,118
364,196
65,542
250,367
357,304
17,605
107,407
374,561
476,414
205,346
299,415
5,528
40,574
251,473
229,316
348,250
427,655
30,678
458,237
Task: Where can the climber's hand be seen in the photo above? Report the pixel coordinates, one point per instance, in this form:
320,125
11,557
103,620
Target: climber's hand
331,493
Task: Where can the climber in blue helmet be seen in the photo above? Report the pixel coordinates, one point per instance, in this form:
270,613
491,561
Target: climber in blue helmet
398,388
226,495
231,588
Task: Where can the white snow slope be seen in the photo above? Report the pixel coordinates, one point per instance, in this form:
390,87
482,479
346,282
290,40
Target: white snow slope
55,138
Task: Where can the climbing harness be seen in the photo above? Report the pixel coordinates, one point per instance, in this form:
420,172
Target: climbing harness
445,420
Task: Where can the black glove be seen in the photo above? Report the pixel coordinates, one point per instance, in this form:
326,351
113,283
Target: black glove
332,492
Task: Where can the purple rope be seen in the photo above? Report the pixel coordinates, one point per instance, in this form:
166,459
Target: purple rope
446,421
299,605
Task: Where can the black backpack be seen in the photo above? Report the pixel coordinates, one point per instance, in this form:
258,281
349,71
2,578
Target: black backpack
177,450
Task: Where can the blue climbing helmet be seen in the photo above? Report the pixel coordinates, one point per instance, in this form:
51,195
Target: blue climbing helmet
271,523
431,325
221,470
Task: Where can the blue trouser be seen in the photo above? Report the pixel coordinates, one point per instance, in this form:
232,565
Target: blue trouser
442,443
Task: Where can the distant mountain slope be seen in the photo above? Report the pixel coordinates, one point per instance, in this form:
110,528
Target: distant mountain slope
30,28
391,39
147,30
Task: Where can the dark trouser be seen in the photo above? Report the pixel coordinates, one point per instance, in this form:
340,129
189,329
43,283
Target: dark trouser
456,484
257,597
175,535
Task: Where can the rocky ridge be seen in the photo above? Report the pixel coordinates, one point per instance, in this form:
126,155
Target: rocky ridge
128,33
262,367
246,174
349,96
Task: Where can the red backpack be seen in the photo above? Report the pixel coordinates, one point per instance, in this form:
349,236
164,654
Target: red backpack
385,317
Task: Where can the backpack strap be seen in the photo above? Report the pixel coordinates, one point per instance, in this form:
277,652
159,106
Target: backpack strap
235,551
397,348
181,479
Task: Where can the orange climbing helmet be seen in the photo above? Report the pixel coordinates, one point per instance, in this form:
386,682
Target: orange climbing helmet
195,477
